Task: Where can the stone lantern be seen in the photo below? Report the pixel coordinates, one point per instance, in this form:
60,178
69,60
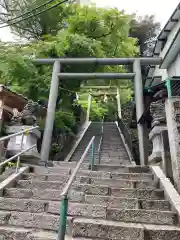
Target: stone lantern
19,122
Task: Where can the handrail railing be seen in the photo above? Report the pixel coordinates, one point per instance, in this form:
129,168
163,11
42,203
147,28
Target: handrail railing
100,142
126,138
23,133
126,133
64,194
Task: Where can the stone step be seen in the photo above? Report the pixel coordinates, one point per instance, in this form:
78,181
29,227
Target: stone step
125,215
138,193
80,209
23,205
46,177
58,185
121,169
142,216
103,229
132,176
62,179
42,194
52,207
119,192
78,191
97,181
93,189
71,165
116,175
44,170
124,183
88,188
34,220
97,174
128,203
14,233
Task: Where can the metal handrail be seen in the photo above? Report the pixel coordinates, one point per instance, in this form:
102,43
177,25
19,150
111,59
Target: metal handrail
2,164
126,133
26,131
64,194
23,132
100,142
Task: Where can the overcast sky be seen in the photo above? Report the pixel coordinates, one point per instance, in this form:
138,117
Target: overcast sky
161,9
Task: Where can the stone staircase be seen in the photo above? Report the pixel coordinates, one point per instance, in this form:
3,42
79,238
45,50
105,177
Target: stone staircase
110,202
93,130
112,150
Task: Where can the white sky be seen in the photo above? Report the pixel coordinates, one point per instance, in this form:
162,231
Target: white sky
161,9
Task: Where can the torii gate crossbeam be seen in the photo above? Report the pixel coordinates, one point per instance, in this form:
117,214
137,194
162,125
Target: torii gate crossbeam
138,86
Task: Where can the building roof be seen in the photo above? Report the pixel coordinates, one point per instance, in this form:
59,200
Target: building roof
11,98
159,46
166,30
14,100
161,41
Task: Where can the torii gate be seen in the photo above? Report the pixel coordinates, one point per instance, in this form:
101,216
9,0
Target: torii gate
104,88
138,86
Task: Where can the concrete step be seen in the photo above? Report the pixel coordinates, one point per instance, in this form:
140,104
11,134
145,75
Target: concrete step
102,229
128,203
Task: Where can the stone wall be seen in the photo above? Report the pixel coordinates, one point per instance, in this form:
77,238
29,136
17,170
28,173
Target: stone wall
127,110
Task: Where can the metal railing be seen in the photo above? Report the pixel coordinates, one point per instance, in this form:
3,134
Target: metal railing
126,133
22,133
64,194
101,140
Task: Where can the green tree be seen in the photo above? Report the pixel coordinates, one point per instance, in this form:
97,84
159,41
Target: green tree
145,29
49,22
89,32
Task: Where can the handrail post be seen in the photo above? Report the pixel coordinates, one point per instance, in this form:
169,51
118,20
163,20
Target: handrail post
63,218
100,142
18,160
92,154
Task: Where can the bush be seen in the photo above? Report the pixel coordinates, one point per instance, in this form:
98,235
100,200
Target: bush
65,122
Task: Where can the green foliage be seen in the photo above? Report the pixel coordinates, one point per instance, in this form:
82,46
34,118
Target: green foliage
145,29
39,26
65,121
69,30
